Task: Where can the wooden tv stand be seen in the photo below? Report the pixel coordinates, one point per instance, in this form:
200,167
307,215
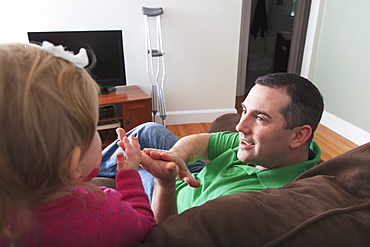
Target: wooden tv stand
132,107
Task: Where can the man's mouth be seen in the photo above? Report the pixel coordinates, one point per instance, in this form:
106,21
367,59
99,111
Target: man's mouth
246,144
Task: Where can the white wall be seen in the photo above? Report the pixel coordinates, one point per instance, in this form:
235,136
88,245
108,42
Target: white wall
201,40
339,43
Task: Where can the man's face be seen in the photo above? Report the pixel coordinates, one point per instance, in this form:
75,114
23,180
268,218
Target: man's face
263,139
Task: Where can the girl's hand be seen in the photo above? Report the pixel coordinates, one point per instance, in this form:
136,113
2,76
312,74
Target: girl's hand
133,153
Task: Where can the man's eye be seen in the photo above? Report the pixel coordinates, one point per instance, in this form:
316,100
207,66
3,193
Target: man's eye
260,119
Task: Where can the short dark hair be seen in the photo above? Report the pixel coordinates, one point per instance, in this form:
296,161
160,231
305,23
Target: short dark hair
306,105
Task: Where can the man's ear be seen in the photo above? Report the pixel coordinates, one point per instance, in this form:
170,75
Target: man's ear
300,135
73,164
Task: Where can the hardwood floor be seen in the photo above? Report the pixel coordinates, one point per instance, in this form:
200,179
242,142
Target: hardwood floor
330,142
188,129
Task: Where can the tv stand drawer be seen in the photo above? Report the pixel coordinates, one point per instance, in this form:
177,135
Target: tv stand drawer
136,108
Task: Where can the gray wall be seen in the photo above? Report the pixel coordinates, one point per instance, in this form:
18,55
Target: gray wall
342,64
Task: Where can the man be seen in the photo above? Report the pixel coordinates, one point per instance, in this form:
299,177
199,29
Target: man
272,147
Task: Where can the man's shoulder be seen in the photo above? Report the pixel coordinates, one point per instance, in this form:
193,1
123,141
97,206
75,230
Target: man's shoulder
222,141
224,135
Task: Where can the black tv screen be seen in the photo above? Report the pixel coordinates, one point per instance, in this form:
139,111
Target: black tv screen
107,45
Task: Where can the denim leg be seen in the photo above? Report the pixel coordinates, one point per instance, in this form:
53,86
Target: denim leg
196,167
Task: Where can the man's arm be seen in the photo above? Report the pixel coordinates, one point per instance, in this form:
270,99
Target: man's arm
164,199
187,150
164,194
192,148
166,165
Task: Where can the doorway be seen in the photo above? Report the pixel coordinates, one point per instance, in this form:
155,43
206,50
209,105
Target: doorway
276,48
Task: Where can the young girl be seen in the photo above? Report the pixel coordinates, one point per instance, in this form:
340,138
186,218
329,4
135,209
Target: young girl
50,147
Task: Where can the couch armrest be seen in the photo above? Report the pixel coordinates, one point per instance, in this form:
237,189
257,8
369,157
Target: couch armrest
225,122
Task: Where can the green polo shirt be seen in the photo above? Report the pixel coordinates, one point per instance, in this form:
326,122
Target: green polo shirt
226,174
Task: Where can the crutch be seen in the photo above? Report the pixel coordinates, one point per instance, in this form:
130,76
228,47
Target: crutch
155,55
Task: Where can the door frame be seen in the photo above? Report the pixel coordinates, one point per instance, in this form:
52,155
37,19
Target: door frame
300,26
299,36
243,47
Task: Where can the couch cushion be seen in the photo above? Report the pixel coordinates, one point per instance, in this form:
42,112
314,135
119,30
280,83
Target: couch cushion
351,171
328,205
225,122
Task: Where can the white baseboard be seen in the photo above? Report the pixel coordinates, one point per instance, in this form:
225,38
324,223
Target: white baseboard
199,116
345,129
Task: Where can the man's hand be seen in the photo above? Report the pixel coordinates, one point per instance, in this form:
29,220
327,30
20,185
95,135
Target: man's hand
163,171
165,165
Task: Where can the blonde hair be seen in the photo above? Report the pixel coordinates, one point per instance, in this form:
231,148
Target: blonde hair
48,107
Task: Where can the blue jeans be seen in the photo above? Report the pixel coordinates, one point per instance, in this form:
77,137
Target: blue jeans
150,135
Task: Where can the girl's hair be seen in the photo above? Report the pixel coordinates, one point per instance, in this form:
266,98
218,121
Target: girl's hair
48,106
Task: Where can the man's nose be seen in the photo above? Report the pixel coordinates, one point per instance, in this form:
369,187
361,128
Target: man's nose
243,125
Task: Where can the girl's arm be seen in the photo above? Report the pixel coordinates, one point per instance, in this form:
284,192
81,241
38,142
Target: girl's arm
129,185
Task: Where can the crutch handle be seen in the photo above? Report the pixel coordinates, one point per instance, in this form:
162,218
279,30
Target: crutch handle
152,11
156,53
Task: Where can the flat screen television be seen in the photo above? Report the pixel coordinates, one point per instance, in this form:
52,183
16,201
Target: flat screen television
106,61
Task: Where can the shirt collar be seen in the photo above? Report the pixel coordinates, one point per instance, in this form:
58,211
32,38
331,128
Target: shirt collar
276,178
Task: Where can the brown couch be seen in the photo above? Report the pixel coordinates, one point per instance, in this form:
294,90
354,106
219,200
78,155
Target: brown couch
328,205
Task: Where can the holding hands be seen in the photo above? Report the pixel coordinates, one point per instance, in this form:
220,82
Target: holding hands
164,165
167,165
